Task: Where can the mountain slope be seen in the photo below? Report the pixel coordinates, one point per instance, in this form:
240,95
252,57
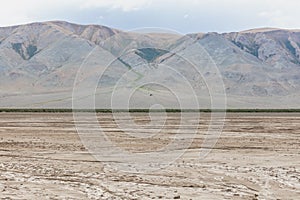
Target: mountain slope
39,63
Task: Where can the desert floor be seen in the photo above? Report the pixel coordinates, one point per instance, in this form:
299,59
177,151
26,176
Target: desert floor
257,156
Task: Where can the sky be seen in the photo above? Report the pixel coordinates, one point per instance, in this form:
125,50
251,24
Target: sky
183,16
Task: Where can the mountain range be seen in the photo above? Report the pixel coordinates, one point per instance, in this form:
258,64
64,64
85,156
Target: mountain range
49,64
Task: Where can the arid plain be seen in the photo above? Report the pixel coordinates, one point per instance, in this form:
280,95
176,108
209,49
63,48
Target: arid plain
257,156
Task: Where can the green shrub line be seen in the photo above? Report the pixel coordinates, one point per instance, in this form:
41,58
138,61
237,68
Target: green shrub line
58,110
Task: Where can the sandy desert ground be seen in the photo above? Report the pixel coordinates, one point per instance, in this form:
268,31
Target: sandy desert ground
256,157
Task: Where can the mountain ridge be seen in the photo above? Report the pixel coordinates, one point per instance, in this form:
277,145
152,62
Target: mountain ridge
66,23
44,57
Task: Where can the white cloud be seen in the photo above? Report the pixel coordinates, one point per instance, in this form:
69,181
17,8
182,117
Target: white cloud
282,14
17,12
242,13
124,5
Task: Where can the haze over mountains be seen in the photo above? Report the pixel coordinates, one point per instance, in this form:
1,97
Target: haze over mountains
39,63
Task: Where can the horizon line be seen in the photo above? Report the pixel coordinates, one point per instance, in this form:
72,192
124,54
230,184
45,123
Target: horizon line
255,29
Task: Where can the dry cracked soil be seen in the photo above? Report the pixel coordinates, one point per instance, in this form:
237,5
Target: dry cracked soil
257,156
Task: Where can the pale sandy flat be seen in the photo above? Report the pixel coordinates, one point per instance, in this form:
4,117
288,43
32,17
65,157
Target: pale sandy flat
256,157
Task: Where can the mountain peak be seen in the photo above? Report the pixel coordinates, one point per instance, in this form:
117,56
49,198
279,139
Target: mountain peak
45,56
268,29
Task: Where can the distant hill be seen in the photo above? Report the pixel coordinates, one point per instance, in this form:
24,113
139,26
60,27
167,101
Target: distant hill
39,62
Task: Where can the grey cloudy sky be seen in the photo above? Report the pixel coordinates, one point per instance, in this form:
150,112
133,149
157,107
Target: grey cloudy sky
184,16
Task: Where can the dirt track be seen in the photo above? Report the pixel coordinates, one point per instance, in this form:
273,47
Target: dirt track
256,157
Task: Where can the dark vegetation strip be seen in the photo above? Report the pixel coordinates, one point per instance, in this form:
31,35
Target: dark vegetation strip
50,110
